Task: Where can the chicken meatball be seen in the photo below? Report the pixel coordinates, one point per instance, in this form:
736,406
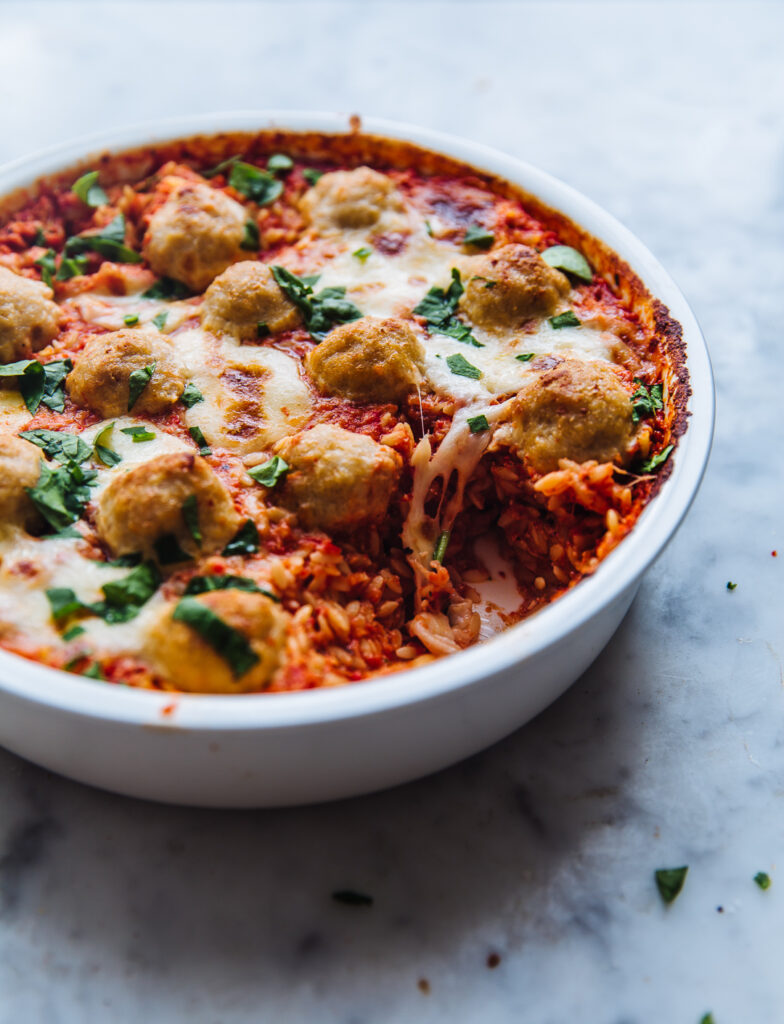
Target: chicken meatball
28,318
350,199
195,235
571,409
337,480
147,503
510,285
100,380
244,297
183,656
20,467
368,360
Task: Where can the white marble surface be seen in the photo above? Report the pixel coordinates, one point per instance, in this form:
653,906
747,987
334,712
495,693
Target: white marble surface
667,752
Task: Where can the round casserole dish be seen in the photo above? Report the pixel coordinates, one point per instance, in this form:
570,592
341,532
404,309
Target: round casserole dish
288,748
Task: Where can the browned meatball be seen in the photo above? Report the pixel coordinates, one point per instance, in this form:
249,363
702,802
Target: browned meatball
195,235
244,297
20,467
28,318
100,380
368,360
338,480
350,199
509,285
185,658
146,503
571,410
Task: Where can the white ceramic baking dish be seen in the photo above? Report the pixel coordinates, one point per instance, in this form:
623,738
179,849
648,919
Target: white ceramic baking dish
276,749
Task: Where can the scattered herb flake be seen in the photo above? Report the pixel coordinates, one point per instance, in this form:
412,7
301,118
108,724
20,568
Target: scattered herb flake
137,382
567,319
651,465
646,401
439,307
441,545
479,237
73,633
254,183
459,365
103,452
89,191
669,882
352,898
71,267
362,253
525,357
311,175
201,440
190,513
125,598
94,672
109,242
262,330
59,445
245,541
63,602
204,584
707,1018
478,424
191,395
320,312
224,639
131,319
166,288
731,585
160,319
270,472
251,239
429,228
763,880
224,165
138,434
564,257
48,266
279,163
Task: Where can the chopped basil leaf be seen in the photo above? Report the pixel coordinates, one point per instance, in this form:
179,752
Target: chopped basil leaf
487,281
103,452
479,237
48,266
191,395
59,445
269,473
160,319
731,585
567,319
439,307
166,288
646,401
352,898
251,240
311,175
40,237
564,257
71,267
168,550
108,242
138,434
651,465
94,672
525,357
429,228
320,312
61,494
201,440
125,598
131,319
311,280
53,395
257,185
73,633
262,330
137,382
478,424
441,545
707,1018
63,602
190,513
224,639
31,384
669,882
459,365
362,253
204,584
245,541
763,880
280,163
88,189
224,165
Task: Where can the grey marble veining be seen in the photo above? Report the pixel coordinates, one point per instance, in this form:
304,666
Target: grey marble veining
539,852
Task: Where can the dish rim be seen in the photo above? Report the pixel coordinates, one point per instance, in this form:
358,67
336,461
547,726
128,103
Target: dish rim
41,684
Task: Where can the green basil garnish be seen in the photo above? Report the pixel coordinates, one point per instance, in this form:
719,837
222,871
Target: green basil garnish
168,550
166,288
138,434
479,237
320,312
362,253
191,395
109,242
525,357
567,319
441,545
190,513
245,541
564,257
73,633
59,445
125,598
271,472
160,319
279,163
646,401
131,319
204,584
251,239
201,440
255,184
63,602
103,452
61,494
459,365
439,307
311,175
224,639
763,880
89,191
137,382
48,266
478,424
651,465
40,383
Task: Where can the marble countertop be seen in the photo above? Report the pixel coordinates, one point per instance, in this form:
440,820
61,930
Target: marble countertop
517,886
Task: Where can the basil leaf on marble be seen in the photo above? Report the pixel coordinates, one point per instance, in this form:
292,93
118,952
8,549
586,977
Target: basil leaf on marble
669,882
763,880
224,639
